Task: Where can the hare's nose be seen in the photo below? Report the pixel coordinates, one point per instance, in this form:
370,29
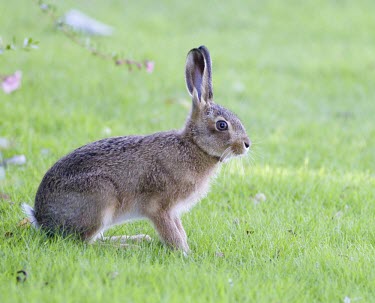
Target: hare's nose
247,143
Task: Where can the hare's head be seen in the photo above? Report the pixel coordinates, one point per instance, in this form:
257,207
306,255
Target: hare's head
214,129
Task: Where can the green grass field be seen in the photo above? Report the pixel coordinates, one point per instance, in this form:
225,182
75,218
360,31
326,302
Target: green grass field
300,75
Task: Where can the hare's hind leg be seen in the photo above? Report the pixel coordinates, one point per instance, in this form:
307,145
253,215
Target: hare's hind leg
126,239
122,240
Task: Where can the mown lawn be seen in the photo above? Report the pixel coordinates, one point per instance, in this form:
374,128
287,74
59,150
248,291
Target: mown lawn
300,74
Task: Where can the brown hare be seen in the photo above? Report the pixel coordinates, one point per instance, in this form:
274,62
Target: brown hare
155,177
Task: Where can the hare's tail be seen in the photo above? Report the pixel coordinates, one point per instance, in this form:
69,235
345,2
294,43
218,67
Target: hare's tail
29,211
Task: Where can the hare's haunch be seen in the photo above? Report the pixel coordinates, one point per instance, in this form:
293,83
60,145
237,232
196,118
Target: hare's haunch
155,177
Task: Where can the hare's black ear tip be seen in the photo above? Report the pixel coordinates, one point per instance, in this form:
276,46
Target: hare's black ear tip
193,50
199,49
203,48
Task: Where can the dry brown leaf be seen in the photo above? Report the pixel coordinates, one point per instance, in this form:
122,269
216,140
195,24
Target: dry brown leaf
24,222
21,276
4,196
8,234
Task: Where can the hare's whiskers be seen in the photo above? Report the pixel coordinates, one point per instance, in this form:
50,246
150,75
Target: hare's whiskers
224,154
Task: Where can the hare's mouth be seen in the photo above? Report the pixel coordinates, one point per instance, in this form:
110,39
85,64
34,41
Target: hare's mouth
227,154
236,149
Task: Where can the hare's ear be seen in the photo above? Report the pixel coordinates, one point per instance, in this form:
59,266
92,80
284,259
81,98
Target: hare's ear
198,74
207,91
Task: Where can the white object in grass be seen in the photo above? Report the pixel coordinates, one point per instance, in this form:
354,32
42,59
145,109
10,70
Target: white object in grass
259,197
17,160
80,22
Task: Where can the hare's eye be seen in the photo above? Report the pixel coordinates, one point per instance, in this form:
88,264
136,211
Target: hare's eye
221,125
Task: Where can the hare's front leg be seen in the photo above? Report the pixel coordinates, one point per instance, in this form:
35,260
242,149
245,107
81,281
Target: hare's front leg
178,223
170,230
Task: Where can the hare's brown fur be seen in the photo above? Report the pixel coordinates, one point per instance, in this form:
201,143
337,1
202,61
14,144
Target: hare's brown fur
156,177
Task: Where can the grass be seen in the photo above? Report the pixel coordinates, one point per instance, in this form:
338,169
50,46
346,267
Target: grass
299,74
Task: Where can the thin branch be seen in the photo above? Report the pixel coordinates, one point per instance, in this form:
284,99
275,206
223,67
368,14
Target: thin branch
74,37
